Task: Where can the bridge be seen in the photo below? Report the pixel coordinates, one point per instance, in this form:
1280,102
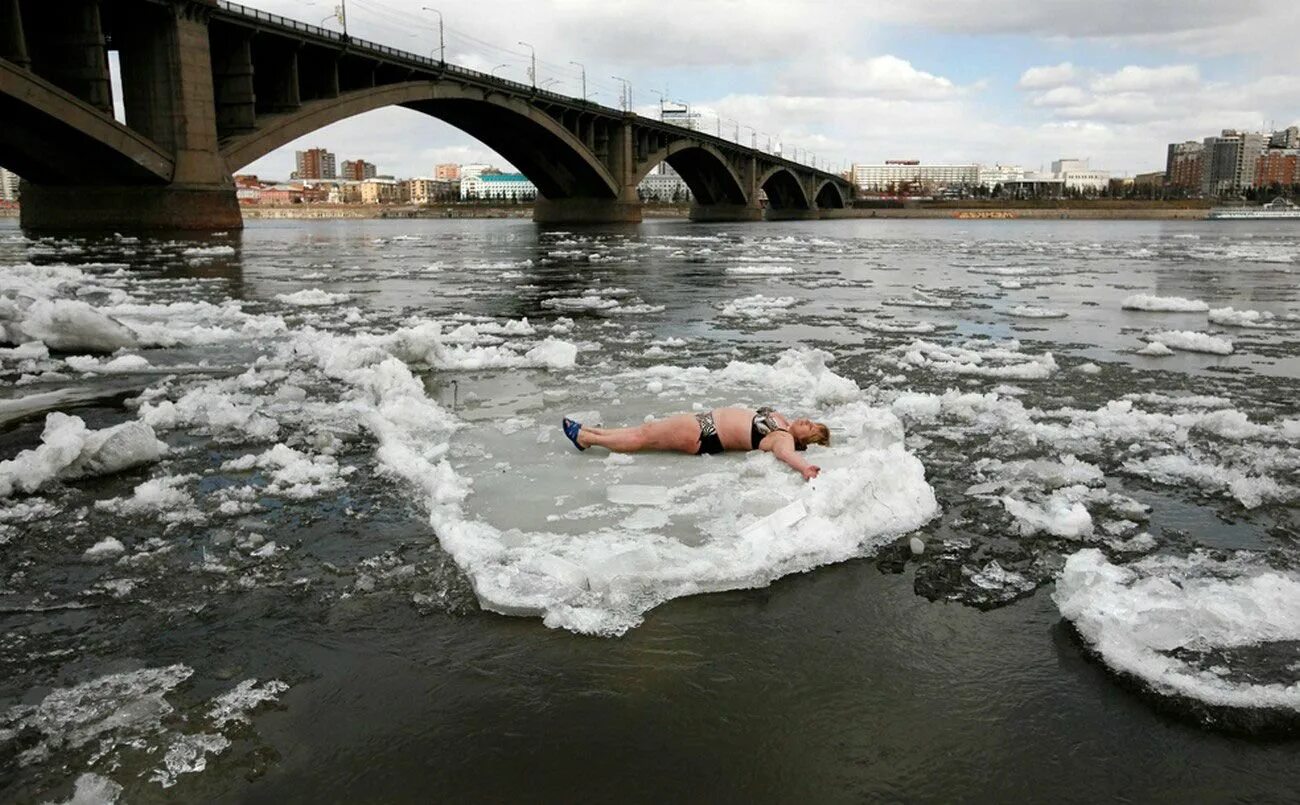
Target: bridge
210,86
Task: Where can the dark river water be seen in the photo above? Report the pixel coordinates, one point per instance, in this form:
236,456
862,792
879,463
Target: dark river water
286,515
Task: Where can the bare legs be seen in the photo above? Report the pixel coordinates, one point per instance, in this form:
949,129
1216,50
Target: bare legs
678,434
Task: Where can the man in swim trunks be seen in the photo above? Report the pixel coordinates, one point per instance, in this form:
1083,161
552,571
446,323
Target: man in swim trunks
713,432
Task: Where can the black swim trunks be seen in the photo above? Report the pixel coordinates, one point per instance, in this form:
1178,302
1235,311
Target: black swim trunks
710,442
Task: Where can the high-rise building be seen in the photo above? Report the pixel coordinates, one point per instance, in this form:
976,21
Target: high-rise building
8,185
1184,165
447,172
1286,138
1230,161
314,163
1278,166
1069,165
358,170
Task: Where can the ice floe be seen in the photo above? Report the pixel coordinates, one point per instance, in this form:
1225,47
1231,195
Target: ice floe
1192,341
70,450
1164,304
1176,623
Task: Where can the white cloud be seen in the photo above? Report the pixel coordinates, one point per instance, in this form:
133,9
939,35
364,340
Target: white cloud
1147,79
1062,96
1047,77
879,77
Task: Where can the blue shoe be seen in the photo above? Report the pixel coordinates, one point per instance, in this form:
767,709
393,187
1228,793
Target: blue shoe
571,429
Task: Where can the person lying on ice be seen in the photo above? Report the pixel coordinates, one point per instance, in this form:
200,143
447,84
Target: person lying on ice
712,432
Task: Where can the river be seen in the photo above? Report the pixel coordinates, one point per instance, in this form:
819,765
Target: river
286,514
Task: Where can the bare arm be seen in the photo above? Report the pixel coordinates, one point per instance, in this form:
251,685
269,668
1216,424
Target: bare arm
781,445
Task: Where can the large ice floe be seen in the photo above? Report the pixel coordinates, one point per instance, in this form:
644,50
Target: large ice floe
738,522
1196,629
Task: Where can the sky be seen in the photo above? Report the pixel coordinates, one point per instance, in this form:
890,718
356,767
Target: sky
988,81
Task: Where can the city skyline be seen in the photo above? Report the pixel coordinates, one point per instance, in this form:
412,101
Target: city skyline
1098,81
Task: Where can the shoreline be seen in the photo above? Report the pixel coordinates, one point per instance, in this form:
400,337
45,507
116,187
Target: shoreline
682,212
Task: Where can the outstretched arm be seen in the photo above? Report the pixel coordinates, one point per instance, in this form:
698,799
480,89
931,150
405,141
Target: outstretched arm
781,445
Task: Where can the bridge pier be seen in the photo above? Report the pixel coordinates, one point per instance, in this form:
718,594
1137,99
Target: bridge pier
789,214
586,211
725,213
128,208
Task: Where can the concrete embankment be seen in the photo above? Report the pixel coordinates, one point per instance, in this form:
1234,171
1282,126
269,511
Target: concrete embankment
1027,213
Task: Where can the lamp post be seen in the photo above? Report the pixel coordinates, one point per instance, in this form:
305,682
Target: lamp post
627,92
661,103
493,71
583,68
532,70
442,42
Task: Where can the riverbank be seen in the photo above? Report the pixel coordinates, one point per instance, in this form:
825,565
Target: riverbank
371,211
1078,210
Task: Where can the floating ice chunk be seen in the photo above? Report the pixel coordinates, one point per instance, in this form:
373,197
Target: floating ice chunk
1155,349
1059,515
1032,312
1190,341
92,789
120,365
209,251
1242,318
1088,369
162,496
116,709
30,351
637,495
234,705
1251,491
69,325
920,300
759,271
757,307
106,548
69,450
1231,424
1152,619
983,359
1164,304
553,354
896,326
188,754
916,546
312,297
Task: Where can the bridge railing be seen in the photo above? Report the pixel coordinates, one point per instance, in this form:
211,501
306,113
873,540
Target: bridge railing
434,64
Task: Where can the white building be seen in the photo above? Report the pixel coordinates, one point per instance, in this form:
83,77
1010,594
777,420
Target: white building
894,174
8,185
664,186
507,186
1000,175
1076,175
476,169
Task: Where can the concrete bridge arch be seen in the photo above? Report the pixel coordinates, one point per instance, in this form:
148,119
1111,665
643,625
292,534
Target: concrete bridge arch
549,155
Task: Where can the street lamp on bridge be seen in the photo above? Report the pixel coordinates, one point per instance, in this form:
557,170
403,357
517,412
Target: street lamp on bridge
442,42
627,93
493,71
532,69
583,68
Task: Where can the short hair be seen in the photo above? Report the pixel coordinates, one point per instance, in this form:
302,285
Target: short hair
821,435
